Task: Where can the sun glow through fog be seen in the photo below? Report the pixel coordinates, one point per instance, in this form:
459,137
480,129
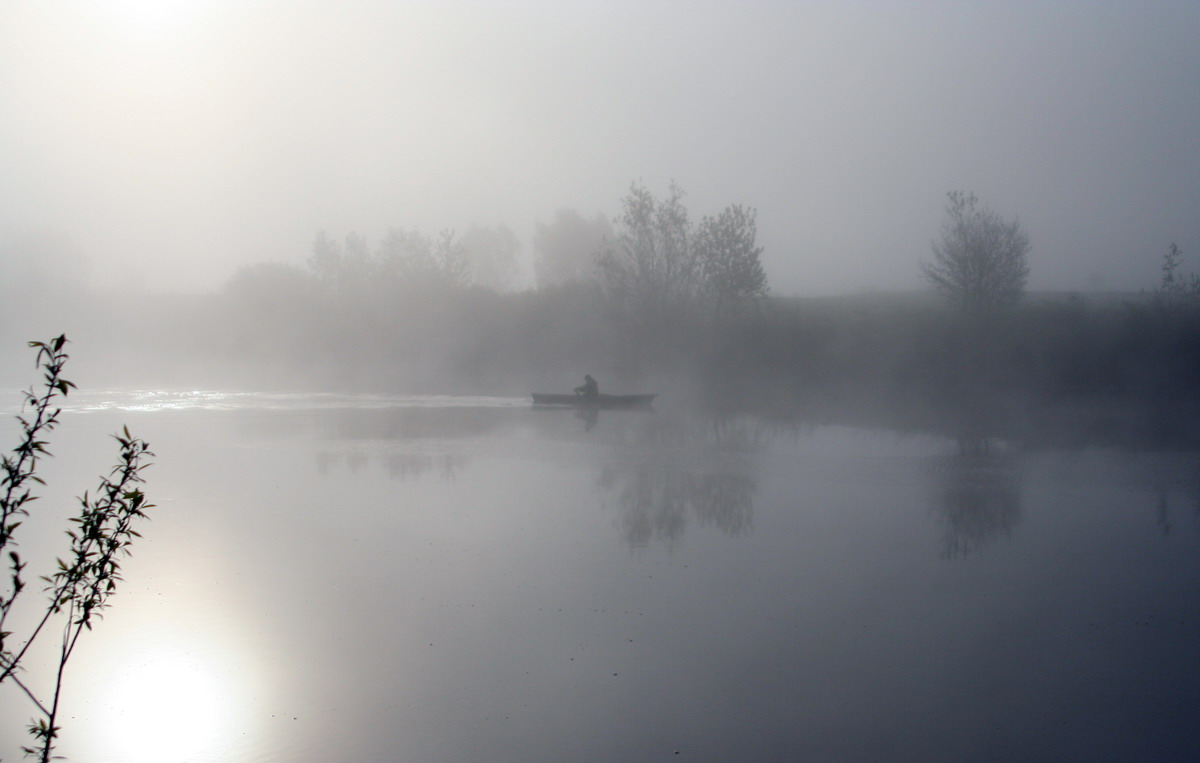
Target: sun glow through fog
151,16
168,705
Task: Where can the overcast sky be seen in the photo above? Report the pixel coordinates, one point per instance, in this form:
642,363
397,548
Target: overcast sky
174,140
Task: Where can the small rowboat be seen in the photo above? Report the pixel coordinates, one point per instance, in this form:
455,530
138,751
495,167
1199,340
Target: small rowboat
598,401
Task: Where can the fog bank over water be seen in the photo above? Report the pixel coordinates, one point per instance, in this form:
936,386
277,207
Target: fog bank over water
171,143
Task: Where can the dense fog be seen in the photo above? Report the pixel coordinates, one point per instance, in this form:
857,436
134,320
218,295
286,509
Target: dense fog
167,145
206,192
540,380
743,206
661,300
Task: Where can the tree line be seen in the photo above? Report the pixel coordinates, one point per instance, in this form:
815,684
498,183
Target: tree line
660,300
655,262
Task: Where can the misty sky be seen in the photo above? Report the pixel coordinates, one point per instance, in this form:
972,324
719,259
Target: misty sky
173,140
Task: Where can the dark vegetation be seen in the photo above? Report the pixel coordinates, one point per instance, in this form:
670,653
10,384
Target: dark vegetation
78,589
681,308
1115,371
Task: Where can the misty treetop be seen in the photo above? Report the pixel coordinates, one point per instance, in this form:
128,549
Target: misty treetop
733,272
1177,292
406,257
651,268
564,250
980,259
403,256
662,266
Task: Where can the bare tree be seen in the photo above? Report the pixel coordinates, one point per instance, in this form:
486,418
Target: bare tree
729,257
980,260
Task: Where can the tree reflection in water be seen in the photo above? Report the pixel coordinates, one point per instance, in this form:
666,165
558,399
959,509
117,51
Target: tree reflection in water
673,470
401,466
977,497
655,502
405,466
661,471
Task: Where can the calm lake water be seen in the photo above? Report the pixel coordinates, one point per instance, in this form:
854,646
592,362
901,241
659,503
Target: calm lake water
472,579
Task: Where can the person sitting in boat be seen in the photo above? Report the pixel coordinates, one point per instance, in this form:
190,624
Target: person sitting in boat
590,388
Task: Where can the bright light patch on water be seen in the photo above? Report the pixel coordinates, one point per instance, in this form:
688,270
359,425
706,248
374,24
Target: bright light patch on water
168,705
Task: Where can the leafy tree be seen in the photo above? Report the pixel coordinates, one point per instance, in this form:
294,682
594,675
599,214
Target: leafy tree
565,249
101,533
652,269
980,260
404,257
662,266
1176,291
424,262
729,256
341,268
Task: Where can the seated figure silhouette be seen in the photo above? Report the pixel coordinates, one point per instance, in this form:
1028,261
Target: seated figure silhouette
590,388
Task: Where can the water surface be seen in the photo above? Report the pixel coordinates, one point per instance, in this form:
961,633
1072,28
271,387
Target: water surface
452,579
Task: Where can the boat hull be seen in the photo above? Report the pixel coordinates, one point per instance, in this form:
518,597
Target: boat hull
599,401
